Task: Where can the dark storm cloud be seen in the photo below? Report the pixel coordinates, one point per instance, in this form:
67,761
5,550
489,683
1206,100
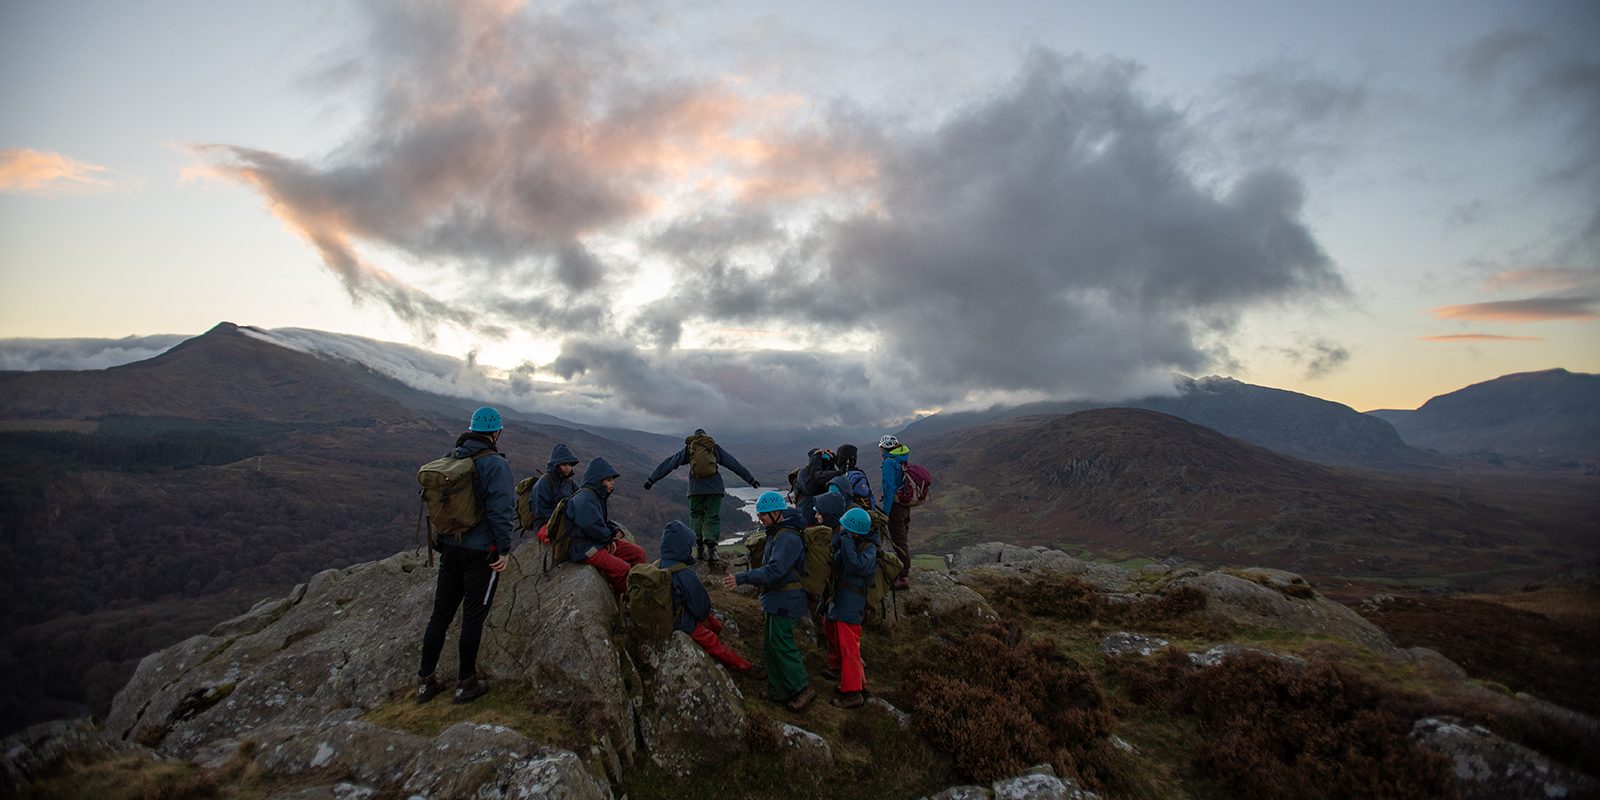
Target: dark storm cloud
1319,357
1047,238
74,354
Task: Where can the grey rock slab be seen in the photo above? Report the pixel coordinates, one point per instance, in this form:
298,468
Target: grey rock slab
372,755
557,776
901,718
1486,766
1002,558
1124,643
1040,783
1216,655
939,595
963,793
693,715
335,791
803,749
1230,598
33,751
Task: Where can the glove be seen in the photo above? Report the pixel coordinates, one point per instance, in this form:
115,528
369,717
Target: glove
755,484
647,485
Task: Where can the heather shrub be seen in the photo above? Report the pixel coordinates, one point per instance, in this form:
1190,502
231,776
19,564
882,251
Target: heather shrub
1274,729
997,704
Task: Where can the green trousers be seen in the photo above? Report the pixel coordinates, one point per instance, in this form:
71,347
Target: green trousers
786,670
705,516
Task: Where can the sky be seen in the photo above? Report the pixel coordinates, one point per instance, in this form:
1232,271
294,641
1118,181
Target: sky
659,214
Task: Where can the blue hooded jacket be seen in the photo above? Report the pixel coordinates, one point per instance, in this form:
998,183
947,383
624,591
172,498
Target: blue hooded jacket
497,496
709,485
591,521
784,554
690,601
831,506
894,466
855,565
551,488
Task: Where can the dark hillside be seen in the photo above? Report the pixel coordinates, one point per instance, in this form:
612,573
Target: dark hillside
1552,416
1139,483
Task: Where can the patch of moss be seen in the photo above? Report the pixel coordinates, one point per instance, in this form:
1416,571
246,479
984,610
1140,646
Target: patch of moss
123,778
514,705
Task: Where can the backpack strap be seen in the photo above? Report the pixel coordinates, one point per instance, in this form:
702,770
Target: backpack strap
795,573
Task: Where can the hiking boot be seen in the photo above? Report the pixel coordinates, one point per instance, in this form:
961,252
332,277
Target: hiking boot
470,689
428,689
848,700
711,554
901,584
799,702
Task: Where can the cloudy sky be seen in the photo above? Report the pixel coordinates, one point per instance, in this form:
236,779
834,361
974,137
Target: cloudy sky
660,213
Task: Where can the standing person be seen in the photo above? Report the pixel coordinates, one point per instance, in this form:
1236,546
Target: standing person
851,482
855,566
555,485
465,565
894,471
703,455
782,599
596,540
691,604
812,480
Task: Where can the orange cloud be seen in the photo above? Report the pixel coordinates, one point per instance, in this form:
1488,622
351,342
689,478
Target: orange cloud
1480,337
23,170
1546,279
1537,309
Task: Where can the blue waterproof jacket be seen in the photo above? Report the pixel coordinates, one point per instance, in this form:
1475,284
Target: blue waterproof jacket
784,554
846,485
711,485
591,521
855,565
690,601
551,488
497,496
894,467
831,506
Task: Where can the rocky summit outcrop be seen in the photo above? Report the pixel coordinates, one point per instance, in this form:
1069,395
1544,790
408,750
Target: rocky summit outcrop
347,642
1487,766
693,715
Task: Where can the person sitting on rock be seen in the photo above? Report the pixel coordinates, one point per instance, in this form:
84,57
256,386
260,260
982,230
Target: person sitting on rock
555,485
782,599
691,603
855,567
596,540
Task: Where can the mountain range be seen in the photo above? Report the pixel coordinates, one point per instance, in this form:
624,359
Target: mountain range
140,504
1552,416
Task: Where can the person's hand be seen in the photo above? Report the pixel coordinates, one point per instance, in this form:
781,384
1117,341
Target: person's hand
729,582
499,564
755,484
648,484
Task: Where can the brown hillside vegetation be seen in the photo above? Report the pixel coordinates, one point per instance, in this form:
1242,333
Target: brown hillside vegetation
144,503
1143,483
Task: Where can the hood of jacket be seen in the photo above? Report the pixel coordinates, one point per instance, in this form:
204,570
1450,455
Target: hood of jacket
560,454
900,453
472,443
598,470
792,519
831,506
677,544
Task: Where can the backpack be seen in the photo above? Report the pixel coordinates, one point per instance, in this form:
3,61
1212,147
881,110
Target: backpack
888,570
860,486
817,565
449,499
702,455
915,482
558,530
647,604
756,545
525,520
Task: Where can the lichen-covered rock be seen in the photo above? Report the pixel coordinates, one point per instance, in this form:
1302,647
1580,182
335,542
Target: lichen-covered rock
336,791
349,641
1433,662
963,793
1486,766
935,594
1003,557
1214,656
901,718
803,749
1231,598
693,715
490,761
1124,643
372,755
1041,783
35,750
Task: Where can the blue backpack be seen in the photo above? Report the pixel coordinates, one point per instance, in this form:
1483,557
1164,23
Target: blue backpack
854,486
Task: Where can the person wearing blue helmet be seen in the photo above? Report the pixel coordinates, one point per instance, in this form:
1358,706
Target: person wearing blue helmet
782,599
855,566
466,566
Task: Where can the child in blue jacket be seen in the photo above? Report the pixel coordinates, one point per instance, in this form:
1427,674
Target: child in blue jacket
855,566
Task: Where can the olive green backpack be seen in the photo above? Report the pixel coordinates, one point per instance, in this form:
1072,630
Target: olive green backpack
449,501
647,604
702,455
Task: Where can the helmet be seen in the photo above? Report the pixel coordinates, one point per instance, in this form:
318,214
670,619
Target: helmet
486,420
888,441
770,501
856,521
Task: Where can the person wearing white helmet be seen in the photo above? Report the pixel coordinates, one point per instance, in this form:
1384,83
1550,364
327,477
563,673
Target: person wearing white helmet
895,454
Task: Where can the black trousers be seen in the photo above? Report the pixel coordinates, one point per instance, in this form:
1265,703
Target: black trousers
463,578
900,536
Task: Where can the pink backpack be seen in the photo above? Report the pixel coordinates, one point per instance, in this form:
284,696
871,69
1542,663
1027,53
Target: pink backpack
915,482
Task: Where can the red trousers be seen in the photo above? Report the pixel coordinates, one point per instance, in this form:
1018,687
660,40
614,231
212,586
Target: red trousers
615,561
705,635
844,654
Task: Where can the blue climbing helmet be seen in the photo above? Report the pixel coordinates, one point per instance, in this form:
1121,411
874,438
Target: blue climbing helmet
770,501
856,521
486,420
